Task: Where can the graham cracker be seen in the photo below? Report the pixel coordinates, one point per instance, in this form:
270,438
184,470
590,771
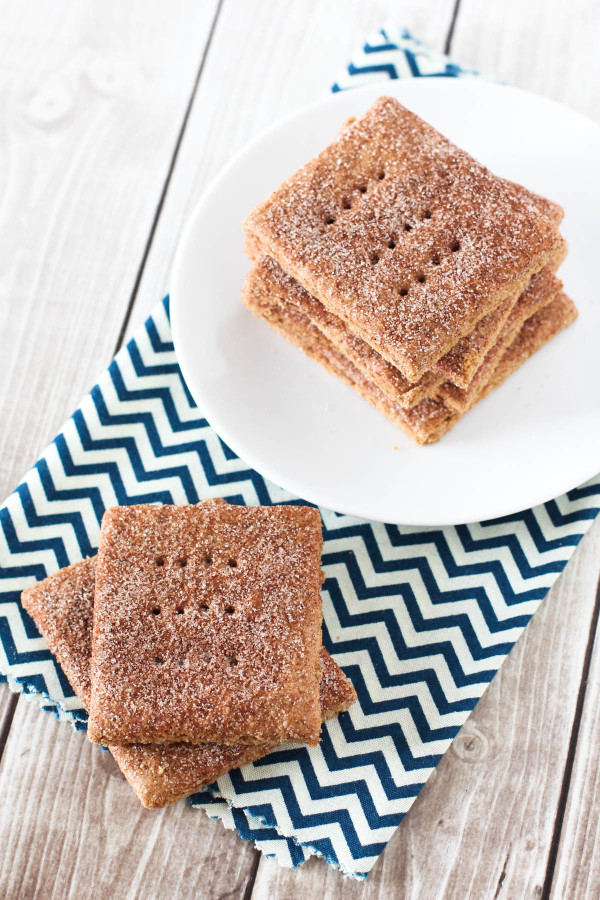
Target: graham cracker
430,419
404,236
62,608
534,333
207,625
551,209
462,362
543,288
266,282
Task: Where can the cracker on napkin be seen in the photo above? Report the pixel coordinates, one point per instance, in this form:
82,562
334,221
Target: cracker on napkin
207,625
62,609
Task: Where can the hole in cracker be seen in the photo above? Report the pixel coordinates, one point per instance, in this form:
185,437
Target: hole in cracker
232,563
392,244
455,247
179,610
330,220
362,188
346,203
403,292
374,259
208,559
232,661
229,610
422,278
407,226
156,611
380,176
427,214
159,561
182,563
158,660
435,259
204,606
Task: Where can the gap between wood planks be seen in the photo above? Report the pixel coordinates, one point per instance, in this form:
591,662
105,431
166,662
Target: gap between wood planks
450,35
13,699
570,761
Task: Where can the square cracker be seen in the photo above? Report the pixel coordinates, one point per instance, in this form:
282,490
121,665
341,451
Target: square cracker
62,609
403,235
207,625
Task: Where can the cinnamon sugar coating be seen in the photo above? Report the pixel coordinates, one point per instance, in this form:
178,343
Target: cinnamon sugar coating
62,609
424,423
462,362
543,288
430,419
207,625
534,333
404,236
164,773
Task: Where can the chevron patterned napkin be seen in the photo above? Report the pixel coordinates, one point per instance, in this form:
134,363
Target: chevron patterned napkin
419,618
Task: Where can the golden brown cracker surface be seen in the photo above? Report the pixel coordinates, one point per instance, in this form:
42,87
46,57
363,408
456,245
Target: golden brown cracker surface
207,625
543,288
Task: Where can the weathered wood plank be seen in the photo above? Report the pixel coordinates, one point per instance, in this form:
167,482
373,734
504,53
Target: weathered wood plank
93,96
577,869
266,60
483,824
552,50
71,827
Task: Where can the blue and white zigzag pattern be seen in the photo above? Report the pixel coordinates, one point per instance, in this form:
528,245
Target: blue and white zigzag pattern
393,53
420,619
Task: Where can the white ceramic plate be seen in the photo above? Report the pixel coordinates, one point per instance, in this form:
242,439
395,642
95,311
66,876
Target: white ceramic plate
535,438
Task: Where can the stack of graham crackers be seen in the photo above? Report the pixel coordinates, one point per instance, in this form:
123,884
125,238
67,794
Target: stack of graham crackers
408,269
193,639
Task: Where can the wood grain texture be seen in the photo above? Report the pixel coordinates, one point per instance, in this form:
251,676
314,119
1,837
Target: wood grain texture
265,61
546,46
577,869
93,96
71,827
482,826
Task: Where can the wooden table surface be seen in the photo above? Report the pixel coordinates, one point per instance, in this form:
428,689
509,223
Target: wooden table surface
114,118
